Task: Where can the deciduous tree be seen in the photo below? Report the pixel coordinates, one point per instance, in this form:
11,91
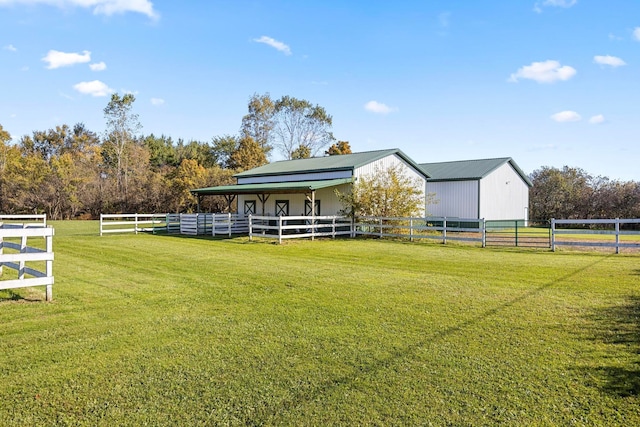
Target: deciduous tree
384,193
298,123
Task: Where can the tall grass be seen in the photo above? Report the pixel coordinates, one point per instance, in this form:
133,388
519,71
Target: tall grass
166,330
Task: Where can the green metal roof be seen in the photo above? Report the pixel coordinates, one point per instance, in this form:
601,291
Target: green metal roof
469,169
271,187
325,164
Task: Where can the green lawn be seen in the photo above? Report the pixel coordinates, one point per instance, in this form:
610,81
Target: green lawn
166,330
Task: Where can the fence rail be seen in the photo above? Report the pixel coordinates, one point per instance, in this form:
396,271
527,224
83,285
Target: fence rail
37,220
297,227
14,239
436,228
609,228
132,223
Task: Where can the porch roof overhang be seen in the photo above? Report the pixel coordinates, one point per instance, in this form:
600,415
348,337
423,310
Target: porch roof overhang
271,187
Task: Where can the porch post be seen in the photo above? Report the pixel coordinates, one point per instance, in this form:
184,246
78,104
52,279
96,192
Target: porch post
313,214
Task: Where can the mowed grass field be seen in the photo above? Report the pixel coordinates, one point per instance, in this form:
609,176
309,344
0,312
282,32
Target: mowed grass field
168,331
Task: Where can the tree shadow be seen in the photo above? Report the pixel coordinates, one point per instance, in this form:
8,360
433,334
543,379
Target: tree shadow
619,326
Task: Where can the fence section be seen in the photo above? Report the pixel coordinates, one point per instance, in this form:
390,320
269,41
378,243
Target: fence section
132,223
229,224
521,233
27,261
36,220
436,228
297,227
603,233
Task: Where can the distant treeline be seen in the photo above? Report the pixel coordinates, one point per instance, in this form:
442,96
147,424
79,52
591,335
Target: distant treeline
572,193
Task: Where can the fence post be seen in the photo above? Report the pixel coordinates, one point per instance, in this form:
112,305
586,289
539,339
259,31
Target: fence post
229,224
23,250
553,234
250,228
101,225
411,229
333,227
444,230
516,221
280,229
483,224
135,222
1,246
381,227
617,235
49,268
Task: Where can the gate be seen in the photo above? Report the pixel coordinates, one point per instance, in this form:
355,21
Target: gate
521,233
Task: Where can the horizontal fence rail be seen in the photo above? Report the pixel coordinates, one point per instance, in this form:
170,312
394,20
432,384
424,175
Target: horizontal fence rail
132,223
27,261
614,233
603,233
35,220
436,228
297,227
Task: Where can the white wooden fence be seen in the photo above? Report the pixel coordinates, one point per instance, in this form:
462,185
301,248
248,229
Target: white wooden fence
36,220
131,223
13,239
297,227
611,228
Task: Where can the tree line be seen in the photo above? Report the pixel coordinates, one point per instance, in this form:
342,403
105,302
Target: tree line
74,172
573,193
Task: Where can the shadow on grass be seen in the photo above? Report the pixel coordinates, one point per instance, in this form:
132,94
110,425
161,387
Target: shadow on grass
402,353
9,295
619,327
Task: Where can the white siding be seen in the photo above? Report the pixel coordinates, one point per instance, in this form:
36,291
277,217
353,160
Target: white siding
453,199
392,161
329,204
503,195
315,176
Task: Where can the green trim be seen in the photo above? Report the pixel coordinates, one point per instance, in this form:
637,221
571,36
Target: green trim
271,187
344,162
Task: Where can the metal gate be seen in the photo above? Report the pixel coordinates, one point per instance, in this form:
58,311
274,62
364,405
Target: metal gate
533,234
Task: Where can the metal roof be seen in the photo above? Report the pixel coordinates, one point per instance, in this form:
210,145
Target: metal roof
469,169
271,187
325,164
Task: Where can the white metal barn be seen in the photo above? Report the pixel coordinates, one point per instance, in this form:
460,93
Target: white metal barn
291,187
493,189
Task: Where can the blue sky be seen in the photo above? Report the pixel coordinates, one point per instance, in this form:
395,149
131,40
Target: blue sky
547,82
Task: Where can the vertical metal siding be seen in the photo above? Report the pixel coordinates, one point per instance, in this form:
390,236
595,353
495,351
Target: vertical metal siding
504,195
453,199
392,161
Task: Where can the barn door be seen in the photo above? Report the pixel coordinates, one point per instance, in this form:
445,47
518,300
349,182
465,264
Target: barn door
282,208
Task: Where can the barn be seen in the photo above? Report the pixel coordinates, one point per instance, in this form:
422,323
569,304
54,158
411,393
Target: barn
493,189
292,187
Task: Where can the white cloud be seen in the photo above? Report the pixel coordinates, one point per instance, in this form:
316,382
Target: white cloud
378,107
10,48
596,120
544,72
93,88
100,7
57,59
157,101
98,66
537,7
566,116
274,44
636,33
613,61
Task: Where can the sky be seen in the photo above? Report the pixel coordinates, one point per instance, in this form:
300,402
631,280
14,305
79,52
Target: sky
545,82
